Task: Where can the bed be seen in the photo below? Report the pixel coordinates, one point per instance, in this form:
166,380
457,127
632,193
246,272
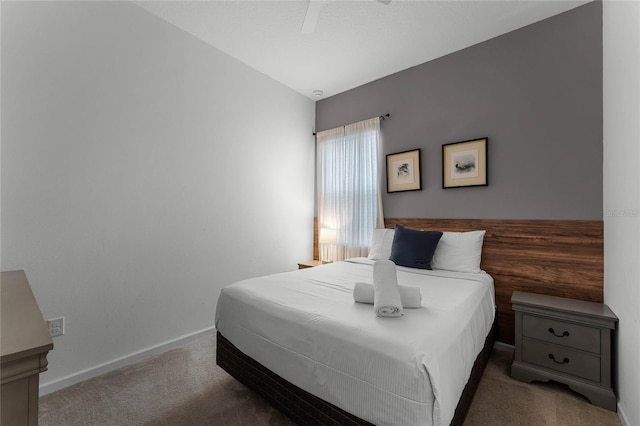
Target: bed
300,340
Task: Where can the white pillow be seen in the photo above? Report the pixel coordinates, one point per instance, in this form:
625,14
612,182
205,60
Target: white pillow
381,242
459,251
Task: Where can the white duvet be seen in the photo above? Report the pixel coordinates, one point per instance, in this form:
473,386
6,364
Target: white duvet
410,370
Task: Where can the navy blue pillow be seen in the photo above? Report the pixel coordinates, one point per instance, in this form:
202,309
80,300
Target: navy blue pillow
413,248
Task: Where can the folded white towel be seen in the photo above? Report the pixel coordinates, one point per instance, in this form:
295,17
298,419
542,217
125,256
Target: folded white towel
410,295
386,301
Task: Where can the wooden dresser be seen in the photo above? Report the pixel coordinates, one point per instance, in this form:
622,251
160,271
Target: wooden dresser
565,340
24,344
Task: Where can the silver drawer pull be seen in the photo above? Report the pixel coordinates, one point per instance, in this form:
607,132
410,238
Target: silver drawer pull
565,334
564,361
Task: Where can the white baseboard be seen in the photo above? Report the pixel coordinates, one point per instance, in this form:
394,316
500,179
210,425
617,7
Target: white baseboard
503,346
622,417
72,379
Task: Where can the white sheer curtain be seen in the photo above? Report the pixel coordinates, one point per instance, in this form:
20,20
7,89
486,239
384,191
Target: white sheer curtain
348,186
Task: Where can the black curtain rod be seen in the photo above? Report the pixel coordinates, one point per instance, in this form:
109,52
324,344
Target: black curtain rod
382,118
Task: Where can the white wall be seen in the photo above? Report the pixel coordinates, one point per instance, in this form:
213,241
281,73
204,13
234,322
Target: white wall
621,75
142,170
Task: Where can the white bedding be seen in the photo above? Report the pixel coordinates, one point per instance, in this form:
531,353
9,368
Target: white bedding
411,370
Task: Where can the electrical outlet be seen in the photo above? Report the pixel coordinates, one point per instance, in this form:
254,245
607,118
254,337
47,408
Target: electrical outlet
56,326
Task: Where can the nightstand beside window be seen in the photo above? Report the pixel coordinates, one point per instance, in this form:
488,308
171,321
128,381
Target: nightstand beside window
310,264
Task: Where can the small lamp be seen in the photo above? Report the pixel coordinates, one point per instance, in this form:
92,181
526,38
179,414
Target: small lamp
327,237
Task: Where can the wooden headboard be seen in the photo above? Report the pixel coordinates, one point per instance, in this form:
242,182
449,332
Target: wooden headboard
555,257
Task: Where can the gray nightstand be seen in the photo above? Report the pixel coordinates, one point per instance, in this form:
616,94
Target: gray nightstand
565,340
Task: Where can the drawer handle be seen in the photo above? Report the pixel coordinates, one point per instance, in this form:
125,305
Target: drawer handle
564,361
565,334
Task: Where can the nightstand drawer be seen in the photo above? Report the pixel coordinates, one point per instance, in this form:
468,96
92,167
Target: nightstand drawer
565,340
564,360
561,333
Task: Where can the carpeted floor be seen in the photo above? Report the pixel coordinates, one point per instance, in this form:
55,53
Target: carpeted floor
184,387
501,400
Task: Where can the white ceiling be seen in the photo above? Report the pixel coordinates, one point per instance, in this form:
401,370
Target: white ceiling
355,42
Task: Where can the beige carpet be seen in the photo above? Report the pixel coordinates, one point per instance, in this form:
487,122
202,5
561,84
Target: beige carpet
185,387
501,400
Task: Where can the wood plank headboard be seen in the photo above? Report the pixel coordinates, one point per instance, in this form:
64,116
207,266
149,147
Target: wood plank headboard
555,257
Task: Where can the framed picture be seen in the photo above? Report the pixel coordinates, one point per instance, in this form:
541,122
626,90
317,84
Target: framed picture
403,171
465,163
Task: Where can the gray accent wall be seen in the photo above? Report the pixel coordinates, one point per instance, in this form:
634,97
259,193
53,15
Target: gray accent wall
536,93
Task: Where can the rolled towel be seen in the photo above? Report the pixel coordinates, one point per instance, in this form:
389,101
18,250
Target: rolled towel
410,295
386,300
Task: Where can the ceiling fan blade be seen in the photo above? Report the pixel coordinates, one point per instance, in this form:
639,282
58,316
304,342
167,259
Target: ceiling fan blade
311,17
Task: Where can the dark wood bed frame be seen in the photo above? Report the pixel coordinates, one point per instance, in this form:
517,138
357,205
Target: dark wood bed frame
555,257
307,409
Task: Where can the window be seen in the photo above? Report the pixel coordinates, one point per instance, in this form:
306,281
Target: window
348,187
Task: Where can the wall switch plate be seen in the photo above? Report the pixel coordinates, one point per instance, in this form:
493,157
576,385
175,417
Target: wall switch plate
56,326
